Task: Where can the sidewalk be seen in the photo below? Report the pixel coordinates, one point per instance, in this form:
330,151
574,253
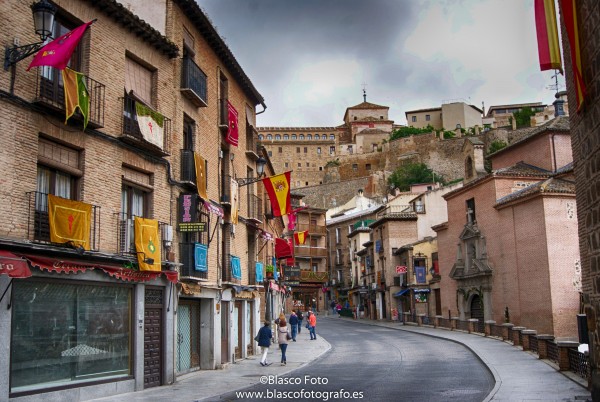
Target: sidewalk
205,384
520,376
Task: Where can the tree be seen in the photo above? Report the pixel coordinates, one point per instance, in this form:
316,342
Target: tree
496,146
412,173
403,132
523,117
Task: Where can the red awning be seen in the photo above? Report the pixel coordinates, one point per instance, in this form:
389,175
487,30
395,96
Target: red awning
13,266
125,274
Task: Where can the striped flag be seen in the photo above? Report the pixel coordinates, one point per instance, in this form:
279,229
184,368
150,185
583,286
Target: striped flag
547,35
300,237
76,95
278,189
569,13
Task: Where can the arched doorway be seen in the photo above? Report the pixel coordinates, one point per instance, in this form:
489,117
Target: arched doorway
477,307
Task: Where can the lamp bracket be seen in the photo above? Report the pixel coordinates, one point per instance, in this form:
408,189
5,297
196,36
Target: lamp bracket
14,54
244,181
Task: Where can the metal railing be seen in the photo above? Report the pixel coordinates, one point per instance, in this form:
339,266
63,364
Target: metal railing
38,222
50,91
126,235
496,331
579,363
193,82
552,349
480,327
462,325
188,166
533,344
130,127
255,207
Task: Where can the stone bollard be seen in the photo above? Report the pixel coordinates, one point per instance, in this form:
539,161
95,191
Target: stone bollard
543,340
516,334
472,323
527,334
454,323
488,327
506,327
420,318
563,353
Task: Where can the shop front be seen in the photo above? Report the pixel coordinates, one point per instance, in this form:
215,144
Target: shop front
76,323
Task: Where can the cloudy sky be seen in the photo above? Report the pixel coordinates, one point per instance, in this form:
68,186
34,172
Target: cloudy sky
310,59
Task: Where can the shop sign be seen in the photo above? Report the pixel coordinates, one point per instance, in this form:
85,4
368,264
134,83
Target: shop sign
188,219
401,269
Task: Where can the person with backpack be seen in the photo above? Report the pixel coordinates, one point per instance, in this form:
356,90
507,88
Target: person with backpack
300,318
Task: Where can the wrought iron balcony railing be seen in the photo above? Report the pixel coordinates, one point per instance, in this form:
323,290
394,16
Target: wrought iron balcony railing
50,92
38,223
126,235
131,130
193,83
255,208
188,166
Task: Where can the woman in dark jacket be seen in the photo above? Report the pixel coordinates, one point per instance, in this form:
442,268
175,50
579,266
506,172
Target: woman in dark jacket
264,341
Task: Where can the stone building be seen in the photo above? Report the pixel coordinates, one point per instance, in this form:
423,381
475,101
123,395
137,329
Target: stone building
112,327
585,127
508,250
450,116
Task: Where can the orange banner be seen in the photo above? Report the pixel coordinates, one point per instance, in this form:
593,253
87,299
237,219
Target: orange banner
200,176
547,35
147,244
70,221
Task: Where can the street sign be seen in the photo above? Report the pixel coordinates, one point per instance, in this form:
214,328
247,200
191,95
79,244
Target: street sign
401,269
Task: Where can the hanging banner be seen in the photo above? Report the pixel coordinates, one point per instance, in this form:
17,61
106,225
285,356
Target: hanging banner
70,221
421,274
200,257
259,272
236,267
151,124
147,244
234,201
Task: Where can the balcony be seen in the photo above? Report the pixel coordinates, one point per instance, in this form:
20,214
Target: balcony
50,92
132,134
307,275
255,208
312,229
188,166
126,236
193,83
397,211
38,223
187,258
308,251
226,190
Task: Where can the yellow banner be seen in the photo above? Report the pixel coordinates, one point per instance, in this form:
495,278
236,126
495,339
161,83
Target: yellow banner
234,201
70,221
147,244
200,176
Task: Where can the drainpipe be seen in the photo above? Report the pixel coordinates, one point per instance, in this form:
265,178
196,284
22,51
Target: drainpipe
554,167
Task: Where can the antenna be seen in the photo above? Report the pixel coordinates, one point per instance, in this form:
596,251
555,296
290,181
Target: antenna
556,86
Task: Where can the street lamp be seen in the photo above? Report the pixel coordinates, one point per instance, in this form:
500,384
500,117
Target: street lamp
260,171
43,21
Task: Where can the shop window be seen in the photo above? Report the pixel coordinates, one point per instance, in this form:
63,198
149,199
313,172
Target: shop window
67,334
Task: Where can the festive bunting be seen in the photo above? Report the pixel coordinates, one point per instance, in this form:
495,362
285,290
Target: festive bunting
70,221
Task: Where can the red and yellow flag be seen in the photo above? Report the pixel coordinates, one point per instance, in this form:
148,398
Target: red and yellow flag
547,35
147,244
569,12
76,95
300,237
278,189
70,221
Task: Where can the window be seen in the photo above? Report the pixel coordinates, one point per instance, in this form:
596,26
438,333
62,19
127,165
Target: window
374,147
338,257
269,137
355,167
414,119
368,166
470,204
318,150
306,183
260,137
458,125
287,165
320,168
338,235
286,137
135,194
468,167
427,117
305,150
332,150
355,117
84,317
270,153
301,136
293,136
332,137
307,164
277,137
380,117
139,81
317,137
280,150
299,164
349,229
297,150
350,149
309,136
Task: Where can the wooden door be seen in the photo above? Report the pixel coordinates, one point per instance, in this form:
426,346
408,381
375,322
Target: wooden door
153,339
224,332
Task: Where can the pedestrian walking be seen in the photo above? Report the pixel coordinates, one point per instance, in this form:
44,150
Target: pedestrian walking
300,318
293,321
283,336
312,325
332,305
264,341
338,307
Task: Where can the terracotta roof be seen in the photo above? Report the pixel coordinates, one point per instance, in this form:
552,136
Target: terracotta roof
432,109
568,168
367,105
560,123
137,26
372,131
552,185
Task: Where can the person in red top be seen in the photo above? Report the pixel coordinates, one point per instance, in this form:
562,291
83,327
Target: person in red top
312,324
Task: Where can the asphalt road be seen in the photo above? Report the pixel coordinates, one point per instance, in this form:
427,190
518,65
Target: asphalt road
380,364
